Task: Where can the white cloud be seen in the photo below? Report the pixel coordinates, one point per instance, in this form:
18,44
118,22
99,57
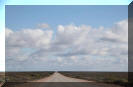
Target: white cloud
8,32
28,38
43,25
71,45
118,33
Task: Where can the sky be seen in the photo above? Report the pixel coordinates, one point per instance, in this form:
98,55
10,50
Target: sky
19,17
66,38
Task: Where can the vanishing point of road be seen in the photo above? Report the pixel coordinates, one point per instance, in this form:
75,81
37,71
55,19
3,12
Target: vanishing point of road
59,80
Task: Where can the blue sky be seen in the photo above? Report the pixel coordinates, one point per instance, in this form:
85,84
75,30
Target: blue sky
66,2
75,38
18,17
14,24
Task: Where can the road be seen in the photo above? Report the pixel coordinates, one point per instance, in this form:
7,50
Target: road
57,77
59,80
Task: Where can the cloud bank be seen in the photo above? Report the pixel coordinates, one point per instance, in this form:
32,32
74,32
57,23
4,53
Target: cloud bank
69,47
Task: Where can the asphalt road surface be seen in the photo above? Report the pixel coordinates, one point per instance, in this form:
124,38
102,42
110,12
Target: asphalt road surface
57,77
59,80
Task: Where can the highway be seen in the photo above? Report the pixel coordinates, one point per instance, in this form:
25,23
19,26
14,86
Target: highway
59,80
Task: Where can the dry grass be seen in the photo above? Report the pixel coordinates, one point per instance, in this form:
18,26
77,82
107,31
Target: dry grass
118,78
25,76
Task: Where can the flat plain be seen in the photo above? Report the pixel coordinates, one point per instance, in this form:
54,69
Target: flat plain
69,79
